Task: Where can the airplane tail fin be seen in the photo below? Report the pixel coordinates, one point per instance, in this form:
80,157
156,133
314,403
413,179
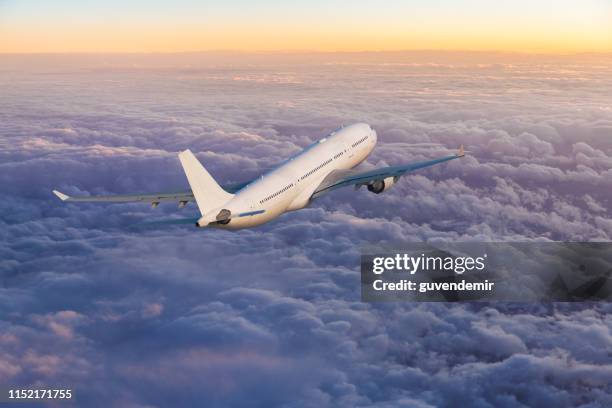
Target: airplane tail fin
208,194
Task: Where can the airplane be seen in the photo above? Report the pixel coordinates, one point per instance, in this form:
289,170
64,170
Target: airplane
323,166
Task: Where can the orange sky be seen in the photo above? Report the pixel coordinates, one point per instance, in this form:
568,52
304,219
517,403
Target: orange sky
536,26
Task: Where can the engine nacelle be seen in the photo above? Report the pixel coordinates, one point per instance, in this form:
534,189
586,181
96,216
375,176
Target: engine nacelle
379,186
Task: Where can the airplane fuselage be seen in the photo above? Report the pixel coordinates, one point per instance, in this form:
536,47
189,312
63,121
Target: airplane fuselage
290,185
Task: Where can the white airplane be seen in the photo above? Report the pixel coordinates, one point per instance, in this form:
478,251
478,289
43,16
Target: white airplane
318,169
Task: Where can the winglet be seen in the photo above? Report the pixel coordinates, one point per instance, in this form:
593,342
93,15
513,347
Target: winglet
61,195
461,152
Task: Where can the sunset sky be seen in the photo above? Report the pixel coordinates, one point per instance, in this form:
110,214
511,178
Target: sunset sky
333,25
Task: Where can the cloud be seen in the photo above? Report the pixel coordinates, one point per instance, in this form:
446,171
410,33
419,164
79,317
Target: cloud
272,316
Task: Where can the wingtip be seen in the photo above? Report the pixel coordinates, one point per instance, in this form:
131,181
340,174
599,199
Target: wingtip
61,195
461,151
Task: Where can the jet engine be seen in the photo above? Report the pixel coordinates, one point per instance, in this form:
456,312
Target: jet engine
379,186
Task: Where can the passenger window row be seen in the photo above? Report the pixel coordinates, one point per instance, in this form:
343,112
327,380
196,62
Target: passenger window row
276,194
363,139
320,166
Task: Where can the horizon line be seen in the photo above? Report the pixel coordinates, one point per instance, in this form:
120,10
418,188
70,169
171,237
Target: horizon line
306,51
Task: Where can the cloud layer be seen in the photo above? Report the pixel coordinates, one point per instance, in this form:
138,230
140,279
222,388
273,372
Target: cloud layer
133,316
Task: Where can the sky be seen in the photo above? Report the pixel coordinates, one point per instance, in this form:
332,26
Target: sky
135,316
540,26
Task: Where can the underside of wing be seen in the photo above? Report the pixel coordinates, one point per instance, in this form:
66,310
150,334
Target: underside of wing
342,178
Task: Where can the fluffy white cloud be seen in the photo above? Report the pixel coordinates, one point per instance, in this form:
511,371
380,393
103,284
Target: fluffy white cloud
140,316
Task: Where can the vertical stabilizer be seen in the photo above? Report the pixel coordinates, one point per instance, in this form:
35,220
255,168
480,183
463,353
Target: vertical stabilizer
208,194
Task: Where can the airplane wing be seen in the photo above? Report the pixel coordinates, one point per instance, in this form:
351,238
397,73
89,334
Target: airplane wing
342,178
154,198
